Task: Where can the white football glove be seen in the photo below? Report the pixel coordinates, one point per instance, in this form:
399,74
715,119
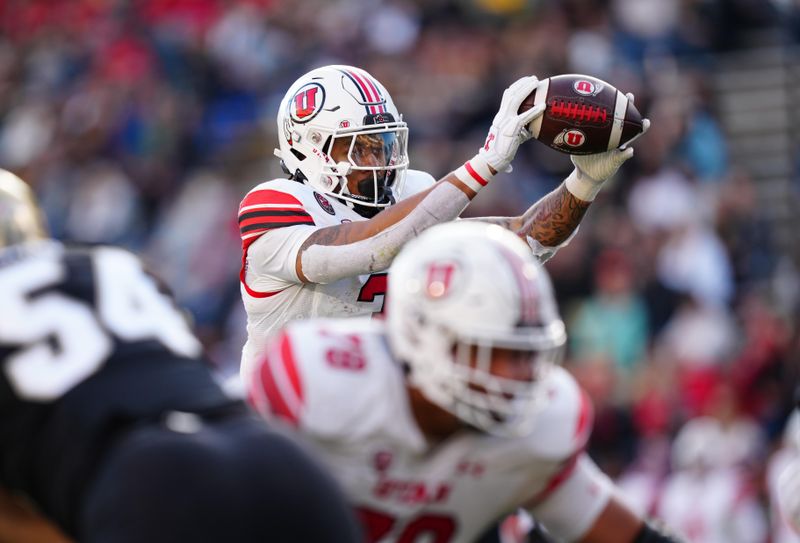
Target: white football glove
789,493
591,171
509,128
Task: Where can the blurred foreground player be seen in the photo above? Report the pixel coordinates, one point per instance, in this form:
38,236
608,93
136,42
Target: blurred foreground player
453,412
112,426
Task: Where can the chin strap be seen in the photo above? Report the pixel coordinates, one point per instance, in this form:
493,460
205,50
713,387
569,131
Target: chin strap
368,211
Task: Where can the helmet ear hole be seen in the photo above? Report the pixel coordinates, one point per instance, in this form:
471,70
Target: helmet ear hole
300,156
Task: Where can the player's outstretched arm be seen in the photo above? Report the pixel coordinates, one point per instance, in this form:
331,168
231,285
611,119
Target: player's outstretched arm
582,505
362,247
553,219
618,524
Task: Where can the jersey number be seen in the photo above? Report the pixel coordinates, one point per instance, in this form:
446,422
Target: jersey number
348,356
375,285
429,528
67,340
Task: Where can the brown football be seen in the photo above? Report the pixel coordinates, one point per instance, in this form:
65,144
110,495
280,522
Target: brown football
584,115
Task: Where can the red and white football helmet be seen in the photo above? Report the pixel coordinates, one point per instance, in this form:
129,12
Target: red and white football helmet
335,102
457,292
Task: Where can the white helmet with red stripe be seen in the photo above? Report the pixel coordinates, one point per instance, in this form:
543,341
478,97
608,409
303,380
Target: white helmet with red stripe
456,295
346,107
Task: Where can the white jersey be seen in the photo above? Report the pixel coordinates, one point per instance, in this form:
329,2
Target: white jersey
288,212
336,382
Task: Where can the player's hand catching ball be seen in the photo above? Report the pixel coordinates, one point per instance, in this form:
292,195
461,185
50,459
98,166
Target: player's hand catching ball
591,171
509,128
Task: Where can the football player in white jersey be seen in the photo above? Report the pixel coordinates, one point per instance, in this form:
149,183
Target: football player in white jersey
453,412
318,243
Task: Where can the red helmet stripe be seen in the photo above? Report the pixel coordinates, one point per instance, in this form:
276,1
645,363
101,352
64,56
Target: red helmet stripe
368,95
370,91
528,314
374,87
585,417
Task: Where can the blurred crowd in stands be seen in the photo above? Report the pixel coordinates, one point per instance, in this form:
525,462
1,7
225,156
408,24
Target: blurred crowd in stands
143,123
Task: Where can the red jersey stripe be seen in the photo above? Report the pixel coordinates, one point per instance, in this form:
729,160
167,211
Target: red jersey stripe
256,293
278,404
272,212
290,366
270,223
269,197
556,480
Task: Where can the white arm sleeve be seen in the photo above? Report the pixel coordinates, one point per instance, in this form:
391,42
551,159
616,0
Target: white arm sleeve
573,507
328,263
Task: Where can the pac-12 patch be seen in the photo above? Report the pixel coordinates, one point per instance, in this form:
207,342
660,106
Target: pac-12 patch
324,203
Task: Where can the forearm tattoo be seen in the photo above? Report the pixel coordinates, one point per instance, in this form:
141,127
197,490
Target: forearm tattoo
550,221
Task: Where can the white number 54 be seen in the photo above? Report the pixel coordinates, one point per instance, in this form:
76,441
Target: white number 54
65,340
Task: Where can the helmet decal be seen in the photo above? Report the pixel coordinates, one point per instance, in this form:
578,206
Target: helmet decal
440,275
523,274
307,102
374,102
324,203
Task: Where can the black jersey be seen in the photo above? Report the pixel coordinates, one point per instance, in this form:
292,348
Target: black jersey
89,346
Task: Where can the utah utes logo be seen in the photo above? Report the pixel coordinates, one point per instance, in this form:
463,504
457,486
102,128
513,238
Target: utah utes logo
571,138
584,87
307,102
324,204
439,276
489,140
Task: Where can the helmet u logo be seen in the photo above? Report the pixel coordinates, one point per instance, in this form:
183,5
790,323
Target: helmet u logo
439,276
305,102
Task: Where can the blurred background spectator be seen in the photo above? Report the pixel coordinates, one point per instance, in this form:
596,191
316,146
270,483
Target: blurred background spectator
143,122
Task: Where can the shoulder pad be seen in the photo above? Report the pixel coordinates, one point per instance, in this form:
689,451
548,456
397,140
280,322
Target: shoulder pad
270,205
327,377
416,181
563,425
